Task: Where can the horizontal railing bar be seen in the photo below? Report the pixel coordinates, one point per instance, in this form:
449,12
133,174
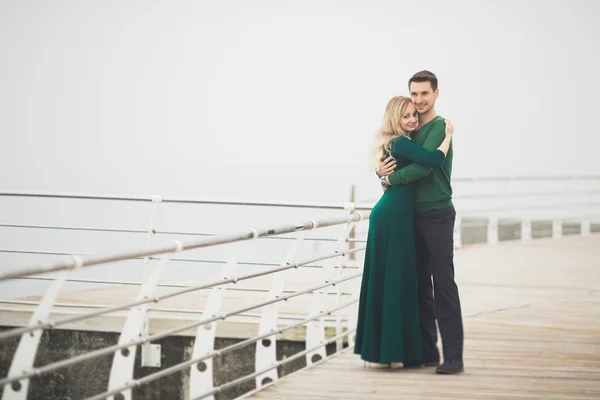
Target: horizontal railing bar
73,228
57,253
167,285
45,253
360,208
178,246
166,310
190,260
466,212
155,299
159,232
593,218
75,196
95,281
204,261
325,206
526,178
525,194
154,231
483,222
334,267
284,204
276,365
250,263
186,364
473,196
157,336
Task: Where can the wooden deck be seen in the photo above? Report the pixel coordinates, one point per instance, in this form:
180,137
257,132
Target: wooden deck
532,331
531,313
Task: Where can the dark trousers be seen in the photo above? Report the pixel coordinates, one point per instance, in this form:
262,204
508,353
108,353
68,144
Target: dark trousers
434,236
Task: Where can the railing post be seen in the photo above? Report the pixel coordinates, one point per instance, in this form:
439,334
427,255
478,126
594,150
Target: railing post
355,293
526,233
350,208
28,346
315,331
156,199
340,263
123,363
353,310
150,352
201,374
492,233
266,349
458,231
586,227
557,229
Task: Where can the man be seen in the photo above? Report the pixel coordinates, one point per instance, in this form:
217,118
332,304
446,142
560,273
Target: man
434,227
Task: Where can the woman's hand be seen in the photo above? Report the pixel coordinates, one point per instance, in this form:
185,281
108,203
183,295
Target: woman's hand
449,128
386,166
445,146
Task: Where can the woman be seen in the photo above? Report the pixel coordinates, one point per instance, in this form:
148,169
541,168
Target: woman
388,317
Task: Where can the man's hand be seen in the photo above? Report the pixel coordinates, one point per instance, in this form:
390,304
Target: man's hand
449,127
386,166
387,181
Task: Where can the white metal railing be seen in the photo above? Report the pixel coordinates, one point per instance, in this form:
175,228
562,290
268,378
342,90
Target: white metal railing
571,204
491,210
527,178
135,333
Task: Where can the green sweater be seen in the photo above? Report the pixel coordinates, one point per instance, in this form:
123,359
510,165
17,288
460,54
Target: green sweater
433,187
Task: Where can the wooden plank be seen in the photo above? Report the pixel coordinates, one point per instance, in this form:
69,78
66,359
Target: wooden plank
532,327
532,331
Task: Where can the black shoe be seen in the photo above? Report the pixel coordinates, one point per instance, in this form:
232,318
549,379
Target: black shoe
432,361
435,363
450,367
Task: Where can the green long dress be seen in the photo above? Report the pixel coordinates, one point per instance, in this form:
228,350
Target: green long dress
388,314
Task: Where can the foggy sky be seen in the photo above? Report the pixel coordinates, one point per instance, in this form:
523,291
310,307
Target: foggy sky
274,99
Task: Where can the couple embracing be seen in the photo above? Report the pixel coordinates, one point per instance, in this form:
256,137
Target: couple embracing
408,280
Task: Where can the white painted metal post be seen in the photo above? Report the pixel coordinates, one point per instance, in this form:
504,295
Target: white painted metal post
340,263
150,352
526,233
201,374
353,310
339,344
458,232
266,349
315,330
492,233
156,199
586,227
28,346
123,362
557,229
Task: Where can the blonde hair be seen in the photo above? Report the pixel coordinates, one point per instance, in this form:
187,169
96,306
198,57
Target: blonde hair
390,127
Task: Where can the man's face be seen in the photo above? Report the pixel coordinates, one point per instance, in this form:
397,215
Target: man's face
422,96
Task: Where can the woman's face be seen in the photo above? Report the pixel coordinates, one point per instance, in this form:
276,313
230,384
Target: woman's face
409,119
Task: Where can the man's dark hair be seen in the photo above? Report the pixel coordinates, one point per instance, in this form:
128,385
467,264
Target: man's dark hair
424,76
